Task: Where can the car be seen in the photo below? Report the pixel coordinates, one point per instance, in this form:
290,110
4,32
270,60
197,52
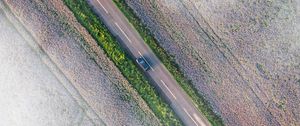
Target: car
143,63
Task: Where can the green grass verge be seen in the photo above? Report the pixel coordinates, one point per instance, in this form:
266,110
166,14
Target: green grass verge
85,15
170,64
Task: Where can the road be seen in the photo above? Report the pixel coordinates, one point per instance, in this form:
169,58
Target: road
119,26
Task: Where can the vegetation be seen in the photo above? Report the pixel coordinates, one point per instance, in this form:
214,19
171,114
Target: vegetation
170,64
105,40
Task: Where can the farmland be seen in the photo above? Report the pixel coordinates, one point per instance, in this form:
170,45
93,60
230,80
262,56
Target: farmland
70,79
17,79
238,60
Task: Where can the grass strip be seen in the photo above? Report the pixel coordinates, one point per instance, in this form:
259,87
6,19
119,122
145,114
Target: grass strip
202,104
85,15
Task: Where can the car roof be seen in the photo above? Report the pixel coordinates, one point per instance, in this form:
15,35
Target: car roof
143,63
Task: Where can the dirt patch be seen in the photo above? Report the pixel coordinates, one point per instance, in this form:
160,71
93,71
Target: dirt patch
243,56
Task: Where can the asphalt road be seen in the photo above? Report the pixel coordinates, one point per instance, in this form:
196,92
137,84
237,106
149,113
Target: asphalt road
180,102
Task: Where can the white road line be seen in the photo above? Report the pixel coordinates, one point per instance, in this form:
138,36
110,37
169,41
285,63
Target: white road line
102,6
122,31
168,89
145,60
190,116
198,119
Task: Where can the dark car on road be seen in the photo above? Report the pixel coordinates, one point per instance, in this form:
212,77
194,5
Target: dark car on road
143,63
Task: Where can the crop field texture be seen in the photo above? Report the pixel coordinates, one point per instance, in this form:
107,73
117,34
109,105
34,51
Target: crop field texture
17,79
242,55
84,88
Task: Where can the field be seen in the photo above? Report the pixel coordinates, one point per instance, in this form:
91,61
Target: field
17,79
54,73
243,56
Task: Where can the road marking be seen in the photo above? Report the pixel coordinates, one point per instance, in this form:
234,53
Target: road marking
168,89
198,119
190,116
102,6
145,60
122,31
195,116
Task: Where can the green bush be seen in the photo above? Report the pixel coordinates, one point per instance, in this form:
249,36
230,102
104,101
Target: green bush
170,64
85,15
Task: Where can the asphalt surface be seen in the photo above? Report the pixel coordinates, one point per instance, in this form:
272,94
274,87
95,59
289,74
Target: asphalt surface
180,102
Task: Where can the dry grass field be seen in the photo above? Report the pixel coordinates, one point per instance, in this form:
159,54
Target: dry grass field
68,80
243,55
